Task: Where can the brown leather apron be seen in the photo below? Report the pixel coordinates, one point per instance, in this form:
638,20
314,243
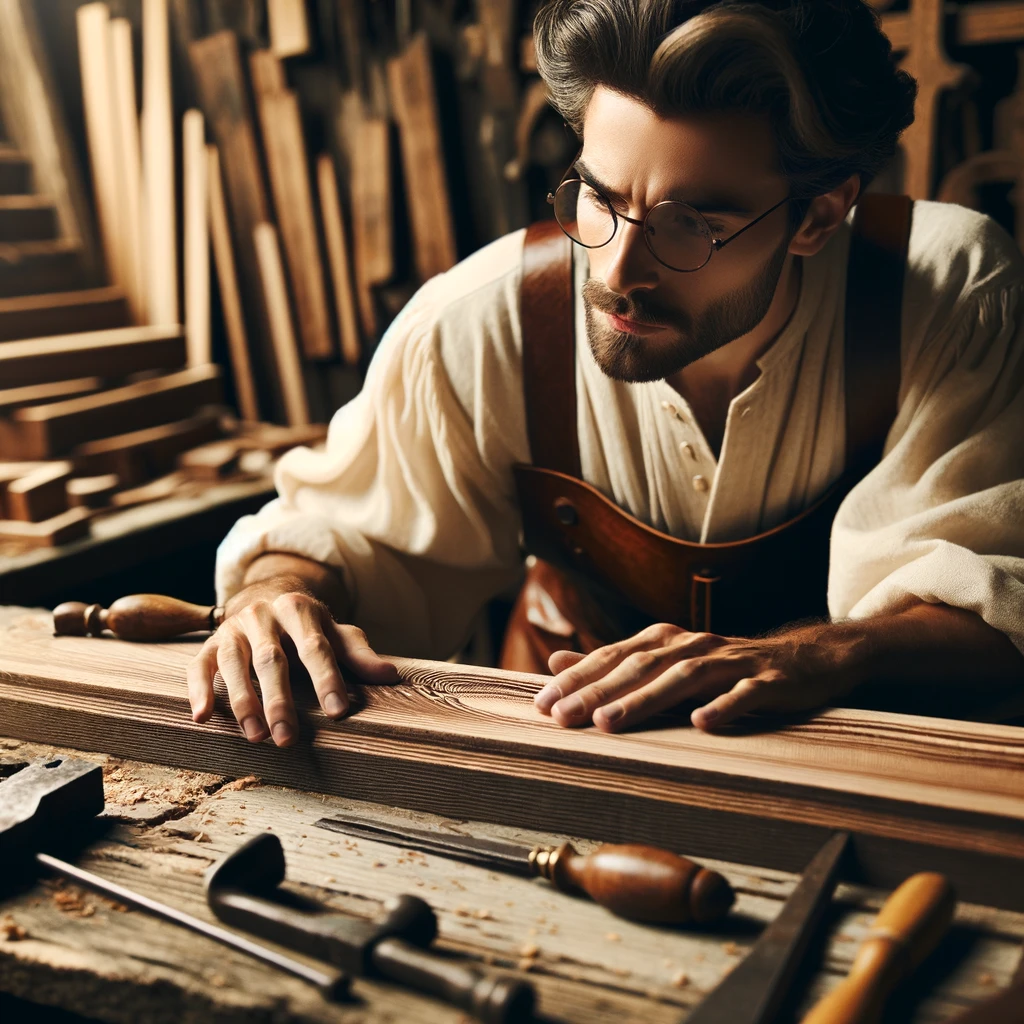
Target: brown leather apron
600,574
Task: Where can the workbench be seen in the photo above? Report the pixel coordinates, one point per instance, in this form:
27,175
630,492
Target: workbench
64,947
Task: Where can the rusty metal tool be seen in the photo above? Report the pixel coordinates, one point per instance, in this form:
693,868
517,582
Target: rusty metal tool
642,883
753,991
241,889
48,799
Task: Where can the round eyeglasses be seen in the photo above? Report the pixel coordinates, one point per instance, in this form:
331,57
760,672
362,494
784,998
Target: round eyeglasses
677,235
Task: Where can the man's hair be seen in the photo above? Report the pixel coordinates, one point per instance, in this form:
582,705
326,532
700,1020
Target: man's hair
822,70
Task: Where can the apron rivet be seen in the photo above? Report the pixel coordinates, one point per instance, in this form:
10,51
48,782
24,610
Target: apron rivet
566,512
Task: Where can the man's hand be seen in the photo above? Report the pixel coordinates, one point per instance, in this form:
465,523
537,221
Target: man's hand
622,684
274,615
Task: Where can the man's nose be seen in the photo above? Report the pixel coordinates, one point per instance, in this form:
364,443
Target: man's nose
631,265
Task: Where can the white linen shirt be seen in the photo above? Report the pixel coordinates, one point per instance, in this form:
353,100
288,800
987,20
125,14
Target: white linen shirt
413,500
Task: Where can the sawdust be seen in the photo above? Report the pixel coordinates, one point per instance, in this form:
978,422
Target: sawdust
70,900
681,979
10,930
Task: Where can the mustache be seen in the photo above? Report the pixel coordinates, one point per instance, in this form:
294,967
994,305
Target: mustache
637,308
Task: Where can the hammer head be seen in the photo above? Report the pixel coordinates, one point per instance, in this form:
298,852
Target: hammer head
257,866
45,802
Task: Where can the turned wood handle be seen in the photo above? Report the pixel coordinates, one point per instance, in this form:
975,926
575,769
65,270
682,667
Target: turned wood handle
138,617
909,926
641,883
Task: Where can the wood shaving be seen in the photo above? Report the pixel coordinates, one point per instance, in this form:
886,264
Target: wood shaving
249,782
10,930
986,979
529,949
731,948
526,965
379,864
218,980
613,937
681,979
483,915
462,912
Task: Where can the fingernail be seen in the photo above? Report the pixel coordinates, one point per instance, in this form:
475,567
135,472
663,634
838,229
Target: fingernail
333,704
254,729
547,698
612,713
283,733
572,706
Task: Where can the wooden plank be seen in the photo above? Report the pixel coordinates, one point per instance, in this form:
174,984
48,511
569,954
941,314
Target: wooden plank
113,353
158,166
34,394
30,268
27,218
35,124
15,172
68,526
140,455
973,24
289,27
917,793
285,148
230,297
35,316
224,99
372,215
286,348
338,255
197,240
42,431
92,491
213,461
40,494
129,158
93,25
411,81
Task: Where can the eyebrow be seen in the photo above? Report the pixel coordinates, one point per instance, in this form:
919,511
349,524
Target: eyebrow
722,205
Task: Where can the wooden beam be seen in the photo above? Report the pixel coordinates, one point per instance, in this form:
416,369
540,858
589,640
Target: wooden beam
39,495
974,24
35,316
62,529
34,394
338,256
42,431
917,793
114,353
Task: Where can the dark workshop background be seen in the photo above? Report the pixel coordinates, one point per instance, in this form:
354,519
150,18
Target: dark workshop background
347,151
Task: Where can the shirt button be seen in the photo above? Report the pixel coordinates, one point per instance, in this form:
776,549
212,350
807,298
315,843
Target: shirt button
700,484
672,410
687,449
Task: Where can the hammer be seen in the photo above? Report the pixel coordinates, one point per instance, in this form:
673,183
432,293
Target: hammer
47,799
240,890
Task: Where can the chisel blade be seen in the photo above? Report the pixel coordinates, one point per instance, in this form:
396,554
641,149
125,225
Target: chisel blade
753,991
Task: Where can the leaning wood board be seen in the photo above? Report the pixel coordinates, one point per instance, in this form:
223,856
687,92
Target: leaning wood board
918,793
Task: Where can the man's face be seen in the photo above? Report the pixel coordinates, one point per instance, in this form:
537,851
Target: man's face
725,166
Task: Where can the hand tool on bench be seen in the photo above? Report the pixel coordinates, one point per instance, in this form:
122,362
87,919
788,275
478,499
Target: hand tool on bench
49,799
149,617
642,883
753,991
240,890
909,926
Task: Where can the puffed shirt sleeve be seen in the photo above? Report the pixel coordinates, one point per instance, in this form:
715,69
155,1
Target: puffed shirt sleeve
412,498
941,518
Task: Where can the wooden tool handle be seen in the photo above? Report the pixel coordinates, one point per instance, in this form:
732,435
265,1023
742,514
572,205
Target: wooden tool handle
910,925
642,883
138,617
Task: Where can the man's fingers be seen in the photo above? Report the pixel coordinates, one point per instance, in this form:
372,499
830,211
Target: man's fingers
302,620
263,633
199,680
561,660
233,657
748,695
638,668
353,649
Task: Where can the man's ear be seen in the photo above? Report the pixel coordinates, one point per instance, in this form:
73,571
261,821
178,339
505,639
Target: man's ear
824,216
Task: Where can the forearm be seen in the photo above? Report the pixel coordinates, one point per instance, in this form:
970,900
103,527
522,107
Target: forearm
285,572
945,648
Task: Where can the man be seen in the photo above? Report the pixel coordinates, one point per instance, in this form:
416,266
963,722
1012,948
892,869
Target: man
712,402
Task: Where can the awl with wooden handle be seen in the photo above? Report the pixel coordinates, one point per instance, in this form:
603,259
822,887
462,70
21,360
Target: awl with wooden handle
642,883
909,926
137,617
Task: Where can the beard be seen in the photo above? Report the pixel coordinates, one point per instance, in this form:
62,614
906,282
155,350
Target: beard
634,359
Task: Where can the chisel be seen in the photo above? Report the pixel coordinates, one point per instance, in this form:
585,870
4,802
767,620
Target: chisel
642,883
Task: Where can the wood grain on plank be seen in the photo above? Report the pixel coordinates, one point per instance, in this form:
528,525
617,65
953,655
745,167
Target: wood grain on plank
41,431
917,793
338,255
35,316
112,353
279,314
230,296
411,80
285,148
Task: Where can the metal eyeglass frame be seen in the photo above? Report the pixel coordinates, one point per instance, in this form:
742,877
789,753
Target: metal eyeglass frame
716,243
